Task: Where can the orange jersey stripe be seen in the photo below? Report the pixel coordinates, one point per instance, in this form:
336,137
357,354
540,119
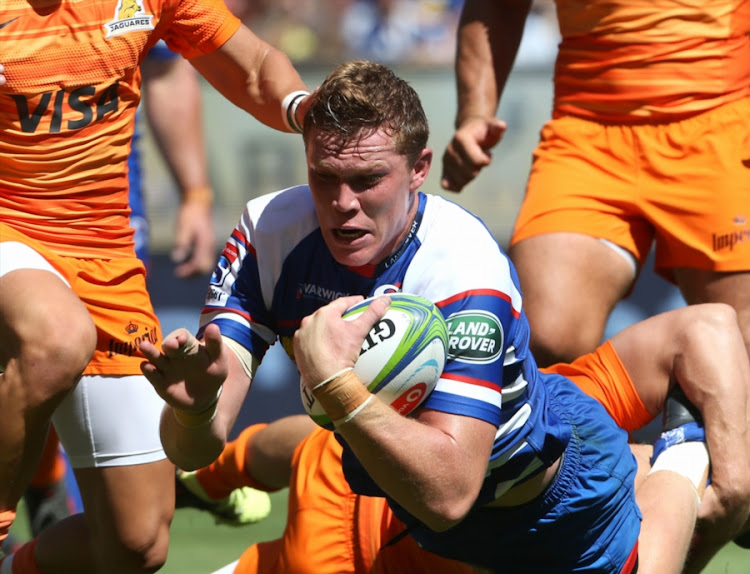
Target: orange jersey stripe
67,110
623,61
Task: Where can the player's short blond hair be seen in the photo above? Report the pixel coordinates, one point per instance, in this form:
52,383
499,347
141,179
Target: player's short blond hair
360,97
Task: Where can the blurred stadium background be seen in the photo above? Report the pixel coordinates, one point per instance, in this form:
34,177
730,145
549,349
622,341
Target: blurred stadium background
415,37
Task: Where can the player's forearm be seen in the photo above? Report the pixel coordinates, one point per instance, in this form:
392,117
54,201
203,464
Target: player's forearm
489,34
194,440
434,475
253,75
720,391
177,123
191,448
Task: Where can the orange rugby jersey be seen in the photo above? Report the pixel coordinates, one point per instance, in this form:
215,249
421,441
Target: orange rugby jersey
67,110
625,60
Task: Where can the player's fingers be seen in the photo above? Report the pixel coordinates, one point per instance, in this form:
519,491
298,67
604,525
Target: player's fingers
456,175
452,179
495,132
374,312
154,376
149,350
341,304
180,343
213,342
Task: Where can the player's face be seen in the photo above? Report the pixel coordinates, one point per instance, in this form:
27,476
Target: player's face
364,193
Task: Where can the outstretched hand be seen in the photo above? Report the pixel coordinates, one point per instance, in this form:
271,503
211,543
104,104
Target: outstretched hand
325,343
187,374
469,151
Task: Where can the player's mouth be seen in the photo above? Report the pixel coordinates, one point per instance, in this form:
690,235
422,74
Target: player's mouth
348,234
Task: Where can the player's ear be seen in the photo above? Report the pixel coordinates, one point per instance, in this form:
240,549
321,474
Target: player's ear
421,169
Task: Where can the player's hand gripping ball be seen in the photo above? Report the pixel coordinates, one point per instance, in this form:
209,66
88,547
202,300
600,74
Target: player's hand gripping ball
402,357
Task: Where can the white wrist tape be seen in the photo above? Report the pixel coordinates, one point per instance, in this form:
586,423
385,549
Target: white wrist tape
332,378
205,417
354,413
289,107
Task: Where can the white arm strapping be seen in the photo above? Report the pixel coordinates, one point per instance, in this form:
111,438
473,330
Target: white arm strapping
246,358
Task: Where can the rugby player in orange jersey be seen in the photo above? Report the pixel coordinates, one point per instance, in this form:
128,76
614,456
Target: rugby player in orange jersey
649,144
73,300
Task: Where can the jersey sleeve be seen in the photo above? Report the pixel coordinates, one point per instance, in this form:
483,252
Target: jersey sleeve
234,300
471,281
242,295
200,27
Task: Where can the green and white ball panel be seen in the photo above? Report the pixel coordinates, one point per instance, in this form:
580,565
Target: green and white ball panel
401,359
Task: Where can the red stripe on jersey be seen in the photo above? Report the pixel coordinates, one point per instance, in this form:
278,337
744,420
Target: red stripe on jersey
208,309
471,381
231,252
475,292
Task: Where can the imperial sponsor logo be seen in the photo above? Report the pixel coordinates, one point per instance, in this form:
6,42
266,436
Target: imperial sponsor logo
129,17
312,291
474,336
131,347
729,240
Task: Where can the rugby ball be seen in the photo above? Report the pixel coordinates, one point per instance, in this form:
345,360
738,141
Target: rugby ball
401,358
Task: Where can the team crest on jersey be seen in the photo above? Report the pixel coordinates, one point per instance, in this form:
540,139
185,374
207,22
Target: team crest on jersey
130,16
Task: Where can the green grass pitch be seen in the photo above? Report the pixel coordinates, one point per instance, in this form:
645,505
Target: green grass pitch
199,546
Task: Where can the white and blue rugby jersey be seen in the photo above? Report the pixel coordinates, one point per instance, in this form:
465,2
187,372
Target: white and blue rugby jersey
276,269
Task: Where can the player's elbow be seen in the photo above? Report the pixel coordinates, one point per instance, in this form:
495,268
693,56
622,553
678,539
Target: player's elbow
448,512
711,322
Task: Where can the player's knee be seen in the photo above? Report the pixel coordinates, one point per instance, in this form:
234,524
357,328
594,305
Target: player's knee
143,549
54,363
714,321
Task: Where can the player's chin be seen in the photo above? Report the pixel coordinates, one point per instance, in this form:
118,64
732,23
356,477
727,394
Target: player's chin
352,251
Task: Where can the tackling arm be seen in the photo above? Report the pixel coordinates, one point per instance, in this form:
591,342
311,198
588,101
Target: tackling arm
700,347
254,76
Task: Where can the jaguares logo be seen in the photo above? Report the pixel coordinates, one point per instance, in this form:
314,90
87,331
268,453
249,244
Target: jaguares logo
474,336
130,16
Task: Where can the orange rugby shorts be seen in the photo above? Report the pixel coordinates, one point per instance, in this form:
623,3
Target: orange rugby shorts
684,184
331,530
114,292
602,376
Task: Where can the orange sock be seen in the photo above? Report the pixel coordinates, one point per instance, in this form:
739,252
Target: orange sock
227,472
22,561
6,521
51,467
